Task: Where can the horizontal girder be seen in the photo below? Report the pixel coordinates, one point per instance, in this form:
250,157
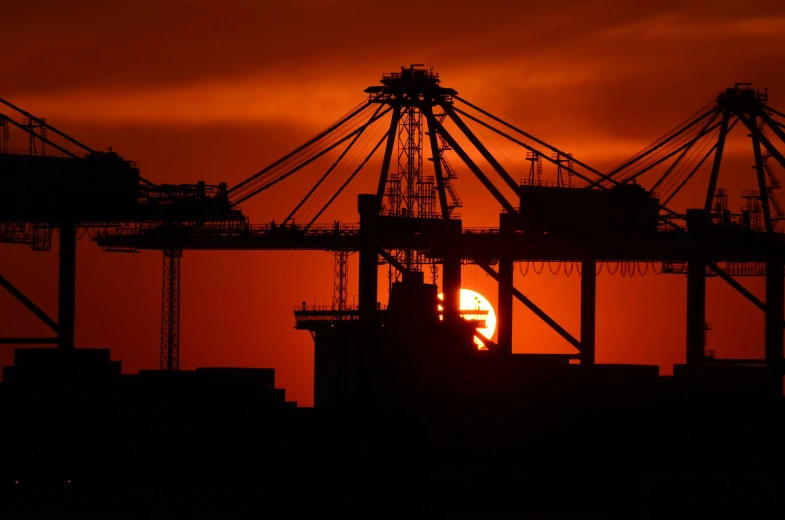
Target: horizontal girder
473,244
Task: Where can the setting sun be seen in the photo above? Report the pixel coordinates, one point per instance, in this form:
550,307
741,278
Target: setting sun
474,301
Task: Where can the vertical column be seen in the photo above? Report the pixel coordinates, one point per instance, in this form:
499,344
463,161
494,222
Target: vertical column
66,302
451,269
504,319
696,311
504,304
775,313
369,256
451,286
588,310
170,311
697,225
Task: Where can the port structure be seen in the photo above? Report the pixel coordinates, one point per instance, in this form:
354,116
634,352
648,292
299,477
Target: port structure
57,183
585,216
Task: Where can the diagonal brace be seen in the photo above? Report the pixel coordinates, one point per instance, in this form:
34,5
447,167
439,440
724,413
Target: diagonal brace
740,288
474,168
480,147
536,310
393,261
41,315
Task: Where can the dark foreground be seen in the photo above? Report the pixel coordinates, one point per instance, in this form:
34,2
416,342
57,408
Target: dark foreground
78,436
298,462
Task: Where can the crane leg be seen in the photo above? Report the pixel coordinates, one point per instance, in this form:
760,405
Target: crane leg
170,311
588,310
66,299
696,312
505,304
775,309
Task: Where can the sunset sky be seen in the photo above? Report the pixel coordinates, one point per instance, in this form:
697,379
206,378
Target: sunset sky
215,90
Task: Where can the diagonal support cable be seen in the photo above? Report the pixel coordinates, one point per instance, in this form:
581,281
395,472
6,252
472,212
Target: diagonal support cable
307,162
528,136
662,143
529,147
291,154
47,125
350,179
42,138
330,169
690,175
684,148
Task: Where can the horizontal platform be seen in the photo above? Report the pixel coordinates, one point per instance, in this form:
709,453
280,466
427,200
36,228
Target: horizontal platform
473,244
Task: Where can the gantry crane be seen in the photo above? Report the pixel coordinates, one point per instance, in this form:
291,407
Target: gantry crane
70,186
409,213
593,218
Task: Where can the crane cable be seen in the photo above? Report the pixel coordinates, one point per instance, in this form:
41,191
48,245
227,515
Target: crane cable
667,136
264,175
299,165
274,172
328,187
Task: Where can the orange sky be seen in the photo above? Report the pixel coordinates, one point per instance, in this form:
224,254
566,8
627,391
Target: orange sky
209,90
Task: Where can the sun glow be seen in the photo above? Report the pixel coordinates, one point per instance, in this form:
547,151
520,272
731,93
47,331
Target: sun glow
474,301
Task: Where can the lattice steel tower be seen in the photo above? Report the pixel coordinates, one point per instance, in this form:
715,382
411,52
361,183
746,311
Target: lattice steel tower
413,93
170,311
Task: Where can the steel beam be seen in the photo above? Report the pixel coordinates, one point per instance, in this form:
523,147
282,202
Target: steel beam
775,126
28,341
480,147
736,285
474,168
529,136
389,258
762,138
170,311
437,162
761,175
66,301
451,286
42,138
715,168
504,306
533,149
368,207
391,138
588,310
775,313
696,311
47,125
536,310
32,307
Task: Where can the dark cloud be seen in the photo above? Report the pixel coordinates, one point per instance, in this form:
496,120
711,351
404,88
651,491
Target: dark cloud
63,45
